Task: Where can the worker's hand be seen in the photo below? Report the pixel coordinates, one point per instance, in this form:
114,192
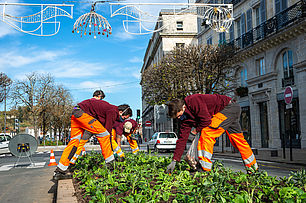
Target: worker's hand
171,167
194,132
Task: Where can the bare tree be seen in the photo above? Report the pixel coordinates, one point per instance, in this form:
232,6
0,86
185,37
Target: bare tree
5,83
188,70
32,92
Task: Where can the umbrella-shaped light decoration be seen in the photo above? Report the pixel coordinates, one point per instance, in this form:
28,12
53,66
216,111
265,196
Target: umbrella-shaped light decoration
92,24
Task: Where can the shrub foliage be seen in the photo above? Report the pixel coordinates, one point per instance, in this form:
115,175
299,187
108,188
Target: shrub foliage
142,178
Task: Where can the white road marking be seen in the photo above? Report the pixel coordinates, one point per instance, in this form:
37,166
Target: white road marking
10,166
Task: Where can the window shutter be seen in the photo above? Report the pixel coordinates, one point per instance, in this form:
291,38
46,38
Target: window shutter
242,23
231,31
263,10
249,20
277,6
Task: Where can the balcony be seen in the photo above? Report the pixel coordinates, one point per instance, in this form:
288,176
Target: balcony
287,81
273,25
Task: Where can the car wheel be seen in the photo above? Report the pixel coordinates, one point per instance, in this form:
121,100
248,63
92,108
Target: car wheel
156,150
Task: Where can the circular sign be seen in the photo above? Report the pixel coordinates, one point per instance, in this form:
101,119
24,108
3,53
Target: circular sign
288,95
148,123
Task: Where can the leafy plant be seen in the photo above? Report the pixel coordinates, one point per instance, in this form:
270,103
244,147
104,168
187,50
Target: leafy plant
142,178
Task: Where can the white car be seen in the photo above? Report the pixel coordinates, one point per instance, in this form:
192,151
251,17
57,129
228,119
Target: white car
162,141
4,141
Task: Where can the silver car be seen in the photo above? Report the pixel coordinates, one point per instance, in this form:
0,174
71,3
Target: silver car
162,141
4,141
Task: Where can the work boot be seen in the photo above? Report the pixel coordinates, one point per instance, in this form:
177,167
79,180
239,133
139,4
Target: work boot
60,174
110,165
121,159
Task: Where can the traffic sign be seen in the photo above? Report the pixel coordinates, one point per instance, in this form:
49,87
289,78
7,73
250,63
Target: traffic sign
148,123
288,95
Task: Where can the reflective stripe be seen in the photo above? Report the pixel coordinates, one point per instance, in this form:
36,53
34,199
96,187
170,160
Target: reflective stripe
106,133
135,152
255,166
205,154
76,156
117,149
62,167
249,160
109,159
73,161
135,149
205,164
76,137
120,154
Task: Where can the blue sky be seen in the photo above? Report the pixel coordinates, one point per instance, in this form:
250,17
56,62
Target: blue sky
81,65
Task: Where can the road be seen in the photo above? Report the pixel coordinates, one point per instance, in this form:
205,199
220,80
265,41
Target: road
26,183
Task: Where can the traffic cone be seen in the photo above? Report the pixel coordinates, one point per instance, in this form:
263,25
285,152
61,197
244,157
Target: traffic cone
52,159
83,151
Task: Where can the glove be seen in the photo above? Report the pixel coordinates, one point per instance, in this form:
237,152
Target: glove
171,167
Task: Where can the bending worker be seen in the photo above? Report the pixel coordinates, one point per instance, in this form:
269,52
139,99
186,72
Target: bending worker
211,115
126,128
91,117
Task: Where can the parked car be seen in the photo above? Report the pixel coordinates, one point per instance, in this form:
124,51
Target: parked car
4,142
162,141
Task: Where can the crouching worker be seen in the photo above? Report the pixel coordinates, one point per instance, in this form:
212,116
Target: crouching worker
211,115
90,117
129,129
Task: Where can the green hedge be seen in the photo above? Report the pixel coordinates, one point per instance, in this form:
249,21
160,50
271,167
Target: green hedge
51,143
142,178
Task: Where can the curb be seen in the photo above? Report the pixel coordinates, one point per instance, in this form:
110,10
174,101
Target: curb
66,192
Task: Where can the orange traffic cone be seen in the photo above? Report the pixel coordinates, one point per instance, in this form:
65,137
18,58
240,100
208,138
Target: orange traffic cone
52,159
83,151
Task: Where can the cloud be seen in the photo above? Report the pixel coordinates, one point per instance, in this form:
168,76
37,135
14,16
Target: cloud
106,86
12,10
135,60
122,35
18,58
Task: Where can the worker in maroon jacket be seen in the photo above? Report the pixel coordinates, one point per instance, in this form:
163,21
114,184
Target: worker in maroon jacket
211,115
91,117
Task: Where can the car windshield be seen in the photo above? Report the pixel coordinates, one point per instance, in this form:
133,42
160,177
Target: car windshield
167,135
2,138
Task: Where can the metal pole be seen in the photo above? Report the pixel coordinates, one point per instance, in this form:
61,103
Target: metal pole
290,134
4,109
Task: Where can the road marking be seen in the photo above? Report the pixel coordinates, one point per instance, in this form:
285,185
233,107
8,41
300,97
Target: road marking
10,166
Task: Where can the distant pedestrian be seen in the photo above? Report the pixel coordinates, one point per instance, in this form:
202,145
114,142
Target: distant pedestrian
211,115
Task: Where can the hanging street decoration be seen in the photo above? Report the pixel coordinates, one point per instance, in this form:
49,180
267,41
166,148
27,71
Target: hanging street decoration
92,23
42,23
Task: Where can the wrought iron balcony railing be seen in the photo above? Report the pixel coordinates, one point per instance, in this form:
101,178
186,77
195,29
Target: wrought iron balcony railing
273,25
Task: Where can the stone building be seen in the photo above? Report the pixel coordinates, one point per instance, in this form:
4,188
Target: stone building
270,37
181,31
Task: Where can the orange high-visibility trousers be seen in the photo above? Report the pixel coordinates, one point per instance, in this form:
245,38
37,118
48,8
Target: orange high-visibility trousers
227,121
116,148
83,126
133,144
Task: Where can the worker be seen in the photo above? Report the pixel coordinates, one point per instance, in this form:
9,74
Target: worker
98,94
91,117
126,128
129,129
211,115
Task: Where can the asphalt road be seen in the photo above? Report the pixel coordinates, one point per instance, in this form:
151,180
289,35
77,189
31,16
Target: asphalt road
26,183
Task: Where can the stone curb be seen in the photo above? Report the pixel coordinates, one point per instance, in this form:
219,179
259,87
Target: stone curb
66,192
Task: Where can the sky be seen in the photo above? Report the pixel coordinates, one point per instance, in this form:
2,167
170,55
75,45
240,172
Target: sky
81,64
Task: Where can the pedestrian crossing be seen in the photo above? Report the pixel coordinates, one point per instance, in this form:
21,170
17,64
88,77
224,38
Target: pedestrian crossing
20,165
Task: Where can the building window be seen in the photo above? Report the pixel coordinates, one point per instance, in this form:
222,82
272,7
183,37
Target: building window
263,12
238,28
280,5
257,16
222,39
249,20
179,25
231,31
209,41
288,64
261,67
243,77
180,45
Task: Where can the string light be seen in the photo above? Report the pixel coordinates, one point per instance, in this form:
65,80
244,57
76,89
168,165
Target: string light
92,23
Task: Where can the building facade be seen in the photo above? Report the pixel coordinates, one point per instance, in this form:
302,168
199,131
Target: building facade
270,39
180,32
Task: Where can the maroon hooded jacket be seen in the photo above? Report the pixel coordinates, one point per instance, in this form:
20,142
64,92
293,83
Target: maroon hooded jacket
103,111
200,108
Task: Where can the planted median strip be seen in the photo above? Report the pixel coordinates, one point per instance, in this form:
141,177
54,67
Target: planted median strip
142,178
